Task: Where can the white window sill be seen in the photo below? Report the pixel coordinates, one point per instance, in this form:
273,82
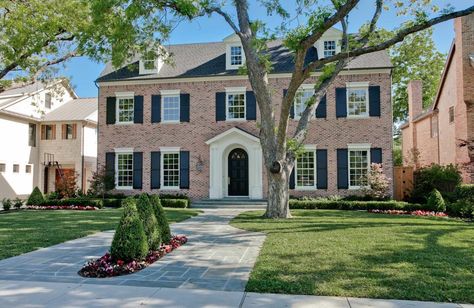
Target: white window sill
305,188
124,123
170,122
357,187
169,188
236,120
124,187
358,116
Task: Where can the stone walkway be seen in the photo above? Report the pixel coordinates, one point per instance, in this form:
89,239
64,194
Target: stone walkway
216,257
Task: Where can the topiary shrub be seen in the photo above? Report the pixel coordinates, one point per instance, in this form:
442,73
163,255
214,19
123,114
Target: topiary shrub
436,202
36,197
161,218
130,242
150,224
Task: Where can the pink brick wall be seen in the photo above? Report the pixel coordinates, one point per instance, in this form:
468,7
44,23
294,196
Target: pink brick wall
329,133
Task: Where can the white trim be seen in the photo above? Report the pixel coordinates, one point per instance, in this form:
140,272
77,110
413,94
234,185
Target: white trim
117,107
124,94
228,65
358,86
122,151
235,91
357,147
361,84
303,88
308,148
147,81
230,131
170,92
169,150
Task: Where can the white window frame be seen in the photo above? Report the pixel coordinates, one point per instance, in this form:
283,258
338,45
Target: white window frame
117,153
5,166
324,47
46,95
303,88
118,97
239,90
357,147
228,65
358,86
169,150
13,168
307,148
170,93
142,68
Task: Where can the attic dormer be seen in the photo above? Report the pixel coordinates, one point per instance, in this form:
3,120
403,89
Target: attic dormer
235,56
150,63
329,44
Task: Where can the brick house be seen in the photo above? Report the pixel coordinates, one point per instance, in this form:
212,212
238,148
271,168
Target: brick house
192,126
437,135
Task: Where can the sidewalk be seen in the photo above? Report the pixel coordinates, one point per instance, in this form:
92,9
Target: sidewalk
49,294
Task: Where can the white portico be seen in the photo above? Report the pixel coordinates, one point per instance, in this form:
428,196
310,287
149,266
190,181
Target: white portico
235,165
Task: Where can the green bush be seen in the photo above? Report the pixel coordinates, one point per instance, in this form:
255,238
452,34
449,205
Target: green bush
36,197
83,201
161,219
7,204
464,191
436,202
354,205
176,203
130,242
17,203
463,208
116,203
150,224
443,178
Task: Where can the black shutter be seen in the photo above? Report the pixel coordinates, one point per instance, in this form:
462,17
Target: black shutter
321,110
137,170
110,112
138,109
341,103
184,169
155,170
374,101
220,106
251,107
184,107
155,108
376,155
342,169
322,169
292,178
292,108
110,164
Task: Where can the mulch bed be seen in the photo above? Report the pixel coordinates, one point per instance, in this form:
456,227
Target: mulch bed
413,213
63,207
106,266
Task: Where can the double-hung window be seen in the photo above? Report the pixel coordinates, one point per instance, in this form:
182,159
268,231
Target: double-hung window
125,107
32,135
329,48
359,164
358,100
170,170
124,167
47,100
170,106
236,55
235,104
302,99
305,170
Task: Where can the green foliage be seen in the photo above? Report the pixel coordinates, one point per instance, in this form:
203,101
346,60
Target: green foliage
130,241
378,185
355,205
161,218
175,203
436,202
463,208
150,225
7,204
465,191
79,201
17,203
36,197
443,178
101,183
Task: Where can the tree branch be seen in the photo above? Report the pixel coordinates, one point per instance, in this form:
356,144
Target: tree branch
226,16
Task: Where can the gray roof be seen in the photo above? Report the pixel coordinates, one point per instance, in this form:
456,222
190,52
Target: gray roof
75,110
208,59
25,89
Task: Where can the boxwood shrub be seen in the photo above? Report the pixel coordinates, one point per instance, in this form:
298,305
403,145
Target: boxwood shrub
176,203
150,224
36,197
355,205
84,201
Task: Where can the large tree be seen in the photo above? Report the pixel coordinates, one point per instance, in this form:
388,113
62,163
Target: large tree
127,22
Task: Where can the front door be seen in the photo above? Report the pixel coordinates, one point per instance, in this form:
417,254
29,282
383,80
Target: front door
238,163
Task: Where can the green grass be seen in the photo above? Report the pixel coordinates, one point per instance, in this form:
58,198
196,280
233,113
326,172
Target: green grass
27,230
349,253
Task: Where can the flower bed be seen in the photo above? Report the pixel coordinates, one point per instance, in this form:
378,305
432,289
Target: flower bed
62,207
107,267
414,213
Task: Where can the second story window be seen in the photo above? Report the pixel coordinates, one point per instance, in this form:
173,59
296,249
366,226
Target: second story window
171,110
69,131
235,106
27,168
47,100
329,48
357,102
125,109
16,168
48,132
301,101
451,114
32,135
3,167
236,55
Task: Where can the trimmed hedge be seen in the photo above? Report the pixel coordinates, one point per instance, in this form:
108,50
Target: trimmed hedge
355,205
436,202
175,203
161,218
36,197
84,201
116,203
150,224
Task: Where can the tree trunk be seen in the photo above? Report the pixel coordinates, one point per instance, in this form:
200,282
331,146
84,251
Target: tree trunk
278,194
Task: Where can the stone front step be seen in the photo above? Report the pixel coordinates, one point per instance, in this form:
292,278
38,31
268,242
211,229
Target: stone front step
229,203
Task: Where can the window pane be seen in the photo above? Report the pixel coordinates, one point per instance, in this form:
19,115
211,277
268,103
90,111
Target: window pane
171,108
125,170
125,110
305,170
171,169
236,106
236,55
47,100
329,48
357,101
302,99
2,167
28,168
358,167
32,135
16,168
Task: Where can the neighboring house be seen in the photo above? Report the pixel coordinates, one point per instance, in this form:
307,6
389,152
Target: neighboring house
192,126
46,132
439,134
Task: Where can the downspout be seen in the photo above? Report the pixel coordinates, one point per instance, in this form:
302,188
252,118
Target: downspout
82,160
437,137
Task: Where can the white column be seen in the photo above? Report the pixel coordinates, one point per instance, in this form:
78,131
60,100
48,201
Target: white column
215,173
256,173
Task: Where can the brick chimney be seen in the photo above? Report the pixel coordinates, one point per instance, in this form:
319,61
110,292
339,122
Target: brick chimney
415,98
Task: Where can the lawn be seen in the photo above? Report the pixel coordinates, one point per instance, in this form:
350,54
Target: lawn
358,254
27,230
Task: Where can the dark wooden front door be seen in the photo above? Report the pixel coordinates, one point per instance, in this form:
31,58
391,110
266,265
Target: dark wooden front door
238,173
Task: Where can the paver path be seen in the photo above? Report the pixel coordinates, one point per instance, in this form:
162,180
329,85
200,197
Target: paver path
216,257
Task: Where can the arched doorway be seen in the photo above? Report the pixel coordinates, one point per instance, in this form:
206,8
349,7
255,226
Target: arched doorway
238,172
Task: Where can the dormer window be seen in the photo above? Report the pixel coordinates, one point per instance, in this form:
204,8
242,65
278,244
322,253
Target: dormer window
329,44
329,48
149,64
235,56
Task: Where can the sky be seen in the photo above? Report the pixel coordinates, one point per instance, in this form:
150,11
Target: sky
83,71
